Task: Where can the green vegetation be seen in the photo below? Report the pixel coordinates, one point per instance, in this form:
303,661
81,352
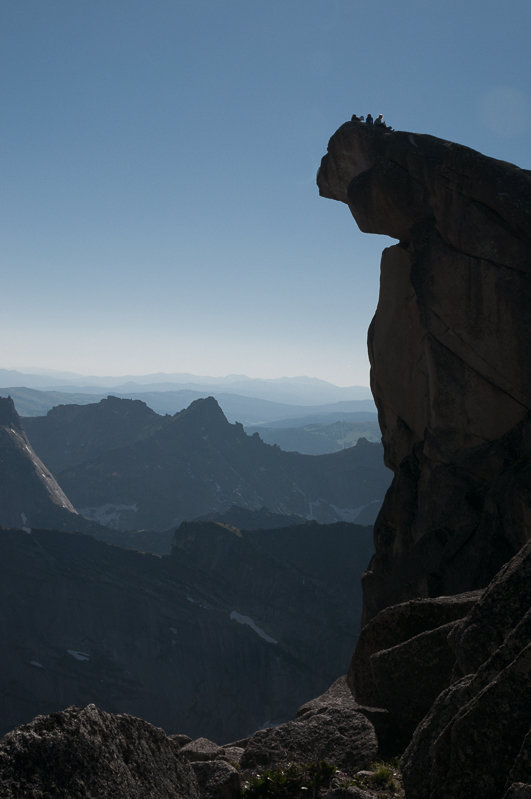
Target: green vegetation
306,780
289,781
382,776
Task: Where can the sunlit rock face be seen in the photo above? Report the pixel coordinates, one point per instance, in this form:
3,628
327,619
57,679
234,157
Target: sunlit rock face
449,351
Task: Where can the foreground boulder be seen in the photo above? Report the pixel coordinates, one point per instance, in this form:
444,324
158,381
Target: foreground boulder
453,675
403,660
474,741
340,736
87,754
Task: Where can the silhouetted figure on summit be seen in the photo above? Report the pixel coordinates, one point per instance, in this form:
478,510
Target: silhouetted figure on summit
379,121
368,120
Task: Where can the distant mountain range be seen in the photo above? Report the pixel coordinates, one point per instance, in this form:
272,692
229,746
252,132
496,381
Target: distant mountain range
317,439
126,467
288,390
237,408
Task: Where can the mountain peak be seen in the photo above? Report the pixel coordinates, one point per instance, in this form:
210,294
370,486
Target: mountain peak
8,414
205,410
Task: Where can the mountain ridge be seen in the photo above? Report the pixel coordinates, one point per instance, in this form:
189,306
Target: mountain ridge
195,462
297,390
238,408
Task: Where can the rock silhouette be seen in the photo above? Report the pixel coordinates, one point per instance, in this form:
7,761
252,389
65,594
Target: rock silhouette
449,352
451,377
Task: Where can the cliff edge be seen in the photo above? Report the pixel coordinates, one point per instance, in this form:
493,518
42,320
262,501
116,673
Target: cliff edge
449,353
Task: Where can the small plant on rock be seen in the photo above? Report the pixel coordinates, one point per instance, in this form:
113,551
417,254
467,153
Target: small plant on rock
293,780
273,783
383,777
320,773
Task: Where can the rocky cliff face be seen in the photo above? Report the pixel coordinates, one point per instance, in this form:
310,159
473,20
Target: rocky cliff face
447,663
449,351
30,496
29,493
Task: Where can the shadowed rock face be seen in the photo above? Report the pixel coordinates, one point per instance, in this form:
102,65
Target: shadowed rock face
449,344
474,740
29,493
233,630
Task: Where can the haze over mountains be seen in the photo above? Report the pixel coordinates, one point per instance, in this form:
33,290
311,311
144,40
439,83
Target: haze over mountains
289,390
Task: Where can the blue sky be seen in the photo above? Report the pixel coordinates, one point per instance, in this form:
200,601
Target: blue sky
159,209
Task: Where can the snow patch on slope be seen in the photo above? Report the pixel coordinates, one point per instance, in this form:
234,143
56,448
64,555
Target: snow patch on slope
235,616
108,515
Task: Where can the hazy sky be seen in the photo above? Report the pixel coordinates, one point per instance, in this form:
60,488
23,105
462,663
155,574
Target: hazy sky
159,208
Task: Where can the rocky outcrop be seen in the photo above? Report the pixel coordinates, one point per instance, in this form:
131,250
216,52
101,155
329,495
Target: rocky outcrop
453,675
329,728
474,741
403,660
449,343
451,379
80,753
85,753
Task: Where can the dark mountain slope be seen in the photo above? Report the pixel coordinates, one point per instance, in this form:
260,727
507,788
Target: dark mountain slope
71,434
29,494
28,491
230,631
245,519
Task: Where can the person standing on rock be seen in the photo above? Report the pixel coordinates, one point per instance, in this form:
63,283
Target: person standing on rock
368,119
379,120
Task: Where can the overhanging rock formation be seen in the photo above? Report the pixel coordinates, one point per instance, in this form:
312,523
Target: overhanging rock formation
449,349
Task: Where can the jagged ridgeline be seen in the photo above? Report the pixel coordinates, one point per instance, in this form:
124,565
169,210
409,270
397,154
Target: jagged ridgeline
125,466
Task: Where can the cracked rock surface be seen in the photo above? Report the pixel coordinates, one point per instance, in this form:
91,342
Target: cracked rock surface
449,351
